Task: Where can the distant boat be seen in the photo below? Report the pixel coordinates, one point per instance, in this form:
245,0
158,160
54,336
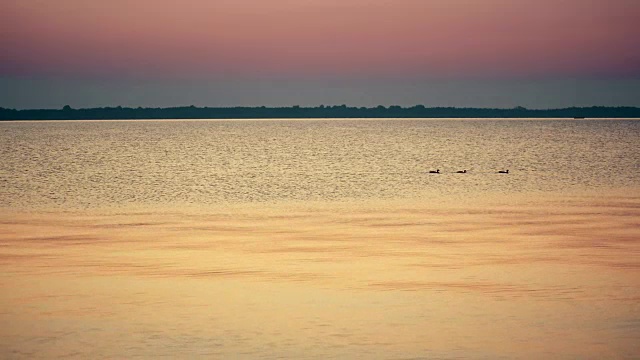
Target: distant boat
461,172
503,172
434,172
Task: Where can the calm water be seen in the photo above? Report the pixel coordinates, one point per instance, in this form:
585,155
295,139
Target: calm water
116,163
320,239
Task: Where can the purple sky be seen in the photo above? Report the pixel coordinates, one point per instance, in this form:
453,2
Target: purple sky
360,52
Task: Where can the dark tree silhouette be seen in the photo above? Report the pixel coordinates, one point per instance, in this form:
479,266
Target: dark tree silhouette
322,111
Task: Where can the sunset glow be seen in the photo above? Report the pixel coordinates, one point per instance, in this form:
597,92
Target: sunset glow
320,179
436,38
539,54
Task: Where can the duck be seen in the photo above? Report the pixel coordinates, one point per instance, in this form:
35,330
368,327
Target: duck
503,172
434,172
461,171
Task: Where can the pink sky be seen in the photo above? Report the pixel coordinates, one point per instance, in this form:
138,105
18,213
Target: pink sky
308,38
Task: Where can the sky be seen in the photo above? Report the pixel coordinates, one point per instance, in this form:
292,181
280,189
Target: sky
484,53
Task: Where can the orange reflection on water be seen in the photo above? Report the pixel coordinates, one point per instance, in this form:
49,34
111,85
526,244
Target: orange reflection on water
530,278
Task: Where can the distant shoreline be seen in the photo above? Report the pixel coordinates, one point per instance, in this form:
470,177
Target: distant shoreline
319,112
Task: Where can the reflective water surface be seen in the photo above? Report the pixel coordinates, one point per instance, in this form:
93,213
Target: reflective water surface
320,239
88,164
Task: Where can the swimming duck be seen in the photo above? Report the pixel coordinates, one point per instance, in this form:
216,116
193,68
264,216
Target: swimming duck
461,171
434,172
503,172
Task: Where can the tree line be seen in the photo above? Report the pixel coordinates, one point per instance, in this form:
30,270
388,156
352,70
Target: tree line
340,111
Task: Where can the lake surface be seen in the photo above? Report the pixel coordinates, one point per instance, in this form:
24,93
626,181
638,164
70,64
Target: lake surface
320,239
89,164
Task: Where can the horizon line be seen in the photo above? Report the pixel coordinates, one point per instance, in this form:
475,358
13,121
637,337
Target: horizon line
323,106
